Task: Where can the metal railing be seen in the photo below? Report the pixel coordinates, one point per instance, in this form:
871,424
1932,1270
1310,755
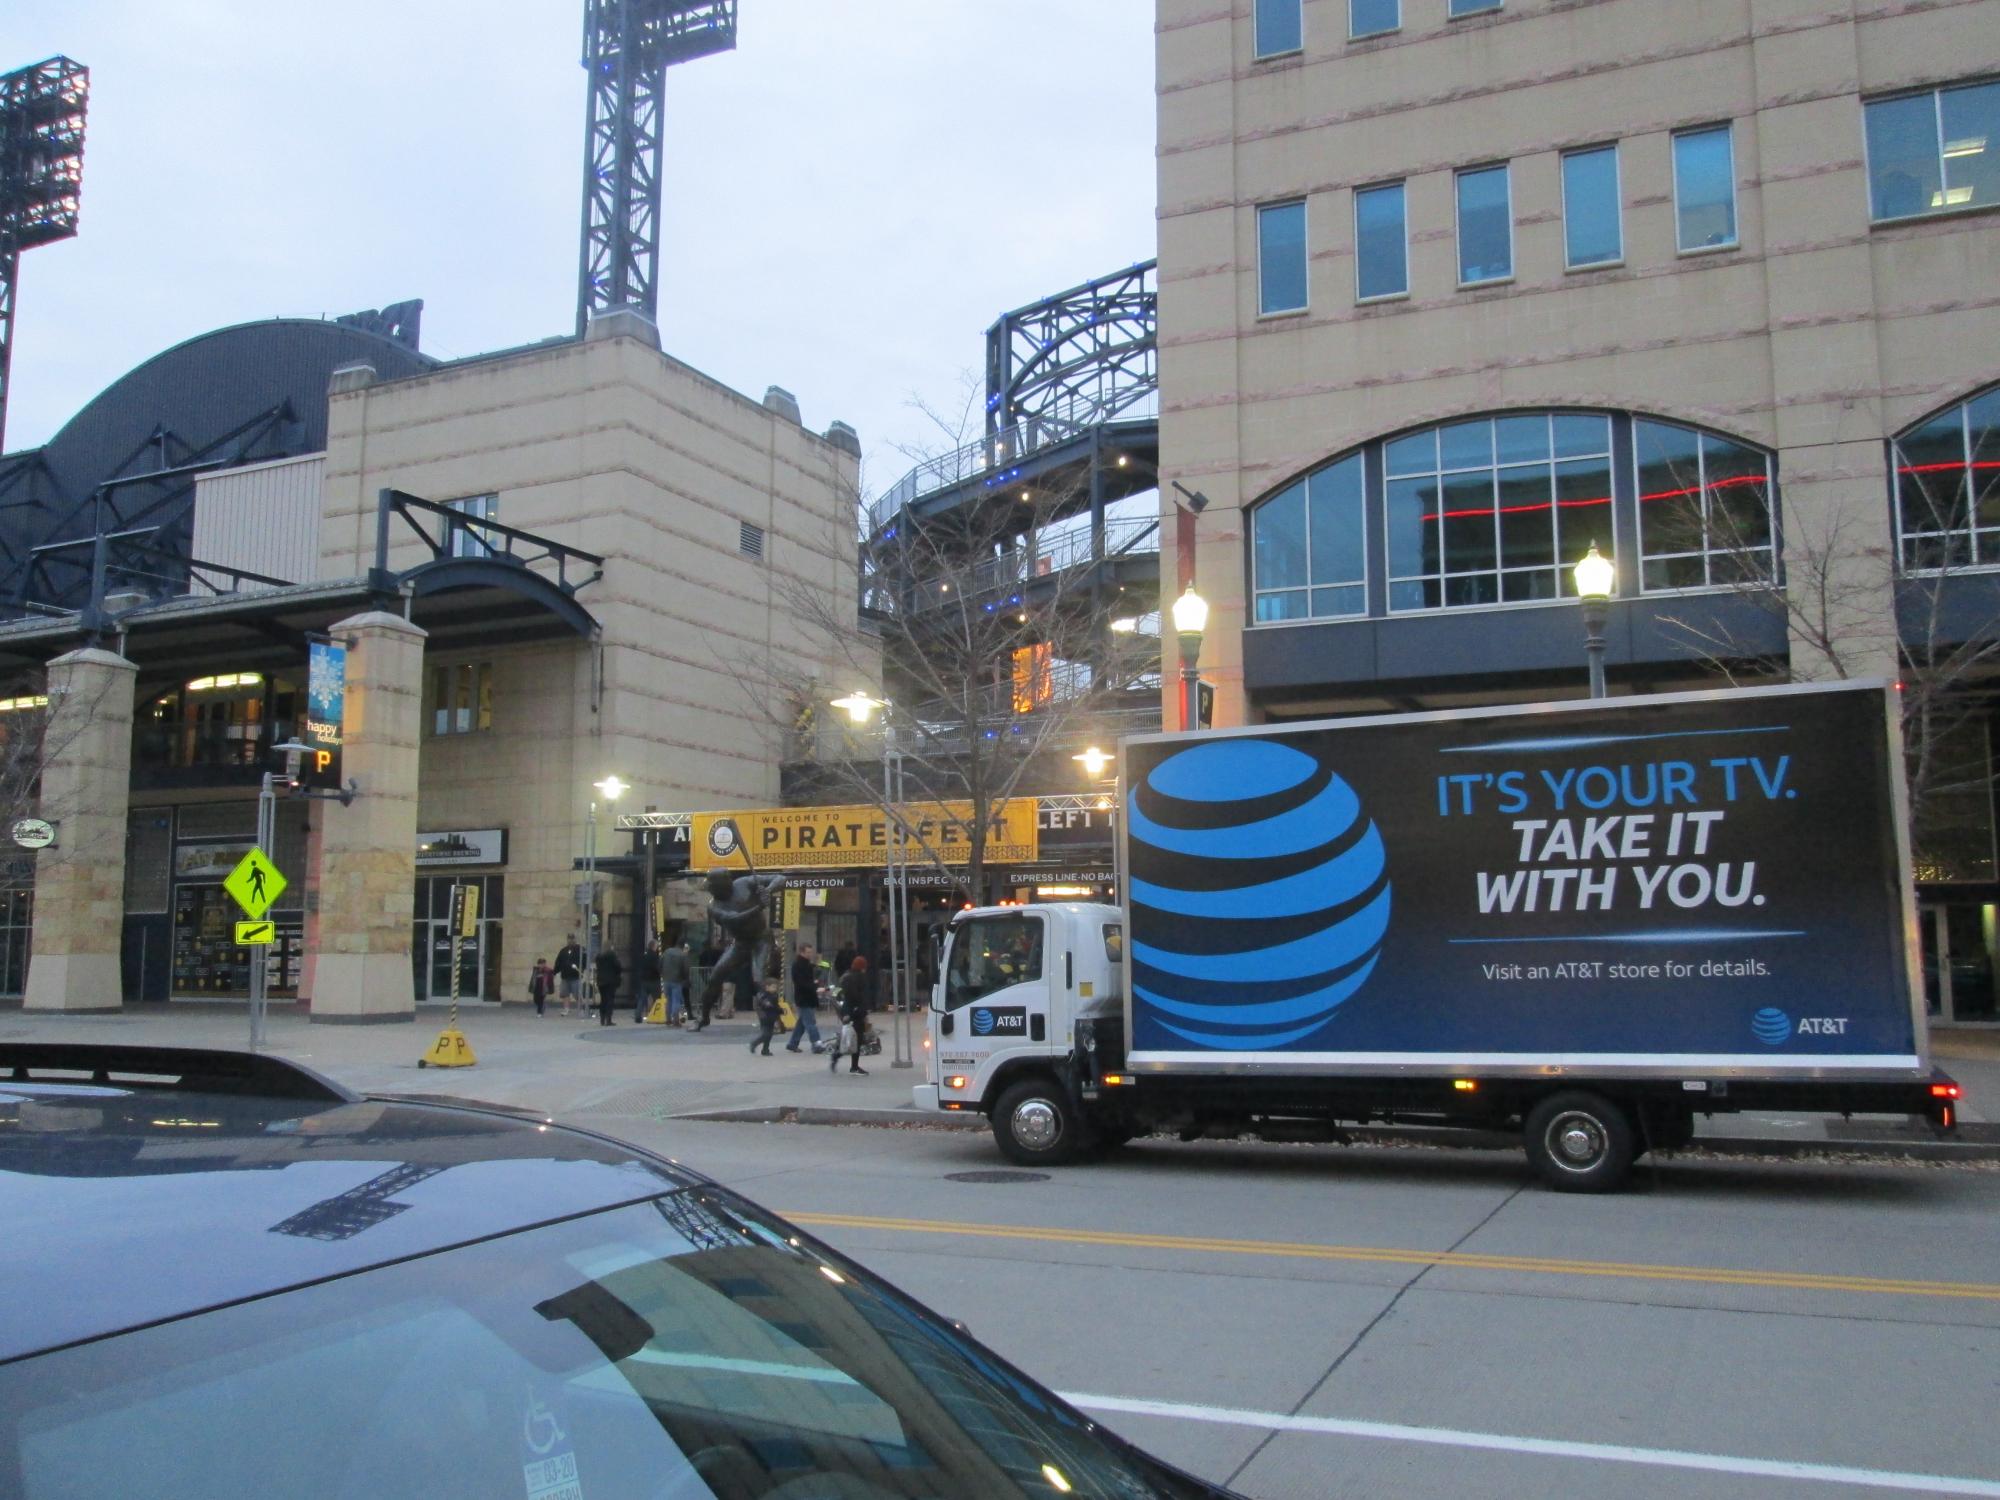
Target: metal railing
992,455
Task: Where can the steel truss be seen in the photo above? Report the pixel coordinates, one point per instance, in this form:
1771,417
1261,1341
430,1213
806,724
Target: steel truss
628,45
1078,358
41,176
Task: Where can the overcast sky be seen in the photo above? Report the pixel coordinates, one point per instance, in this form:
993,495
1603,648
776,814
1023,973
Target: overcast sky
850,197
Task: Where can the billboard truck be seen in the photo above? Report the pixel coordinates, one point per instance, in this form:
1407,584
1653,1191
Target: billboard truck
1584,923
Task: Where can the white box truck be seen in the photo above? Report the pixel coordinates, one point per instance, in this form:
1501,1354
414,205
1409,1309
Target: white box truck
1586,923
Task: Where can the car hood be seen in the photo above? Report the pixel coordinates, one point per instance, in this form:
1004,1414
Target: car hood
126,1206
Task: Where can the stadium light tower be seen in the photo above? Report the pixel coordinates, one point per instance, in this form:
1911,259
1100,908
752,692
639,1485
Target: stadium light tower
628,45
41,177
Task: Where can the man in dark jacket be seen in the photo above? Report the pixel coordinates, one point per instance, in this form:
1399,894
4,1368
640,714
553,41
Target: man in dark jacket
569,972
805,998
853,1012
646,982
610,974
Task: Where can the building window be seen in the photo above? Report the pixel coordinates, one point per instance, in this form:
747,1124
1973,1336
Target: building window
1497,510
1704,508
462,698
1373,17
1381,256
1933,151
1281,258
1705,188
1592,234
1948,486
1485,226
474,541
1457,8
1306,547
1280,27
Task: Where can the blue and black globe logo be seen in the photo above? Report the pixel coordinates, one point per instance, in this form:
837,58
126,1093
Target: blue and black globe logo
982,1023
1771,1026
1260,894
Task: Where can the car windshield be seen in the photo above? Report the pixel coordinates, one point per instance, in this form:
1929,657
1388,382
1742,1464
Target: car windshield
682,1348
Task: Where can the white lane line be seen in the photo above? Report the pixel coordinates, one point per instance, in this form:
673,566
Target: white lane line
1659,1458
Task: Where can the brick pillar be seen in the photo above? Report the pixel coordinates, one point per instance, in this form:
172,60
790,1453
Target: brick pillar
368,851
79,920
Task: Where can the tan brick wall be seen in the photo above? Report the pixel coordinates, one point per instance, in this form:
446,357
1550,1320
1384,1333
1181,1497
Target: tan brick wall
1818,336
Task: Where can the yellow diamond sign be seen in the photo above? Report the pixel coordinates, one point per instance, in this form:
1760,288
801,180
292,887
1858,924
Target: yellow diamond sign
255,883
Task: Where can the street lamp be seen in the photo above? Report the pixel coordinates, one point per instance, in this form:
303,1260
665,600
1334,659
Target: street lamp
1595,577
610,789
859,708
1094,760
1190,619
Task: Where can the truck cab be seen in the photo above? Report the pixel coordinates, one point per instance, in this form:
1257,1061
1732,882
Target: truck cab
1013,985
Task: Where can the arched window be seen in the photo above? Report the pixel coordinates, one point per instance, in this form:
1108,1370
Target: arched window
1947,486
1497,510
1307,554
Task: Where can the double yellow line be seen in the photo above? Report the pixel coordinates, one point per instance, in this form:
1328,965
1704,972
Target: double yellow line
1453,1260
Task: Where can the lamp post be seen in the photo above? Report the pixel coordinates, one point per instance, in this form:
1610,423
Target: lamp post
610,789
859,708
1190,619
1595,577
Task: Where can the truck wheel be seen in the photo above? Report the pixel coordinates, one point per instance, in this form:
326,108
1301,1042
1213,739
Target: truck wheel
1034,1123
1579,1143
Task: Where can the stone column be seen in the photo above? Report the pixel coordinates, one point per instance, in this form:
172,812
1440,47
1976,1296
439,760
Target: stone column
79,922
368,850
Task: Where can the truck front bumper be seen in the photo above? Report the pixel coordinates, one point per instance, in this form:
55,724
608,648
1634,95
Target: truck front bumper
925,1096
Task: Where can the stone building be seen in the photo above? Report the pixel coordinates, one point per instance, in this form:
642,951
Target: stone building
1451,290
548,566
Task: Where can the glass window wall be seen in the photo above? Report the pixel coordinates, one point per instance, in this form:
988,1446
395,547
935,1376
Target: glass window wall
1307,547
1948,486
1280,27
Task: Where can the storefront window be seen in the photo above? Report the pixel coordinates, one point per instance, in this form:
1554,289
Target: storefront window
462,698
224,719
482,972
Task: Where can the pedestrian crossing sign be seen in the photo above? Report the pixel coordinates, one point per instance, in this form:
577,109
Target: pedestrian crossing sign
255,883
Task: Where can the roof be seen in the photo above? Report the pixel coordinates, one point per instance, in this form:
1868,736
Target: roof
132,1201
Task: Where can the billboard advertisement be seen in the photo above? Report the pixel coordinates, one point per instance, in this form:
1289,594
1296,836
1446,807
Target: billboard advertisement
1623,884
857,838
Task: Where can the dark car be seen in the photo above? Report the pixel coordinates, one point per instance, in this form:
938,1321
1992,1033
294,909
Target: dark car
223,1275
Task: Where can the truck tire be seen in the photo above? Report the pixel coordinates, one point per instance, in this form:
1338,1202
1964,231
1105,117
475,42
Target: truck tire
1035,1124
1579,1142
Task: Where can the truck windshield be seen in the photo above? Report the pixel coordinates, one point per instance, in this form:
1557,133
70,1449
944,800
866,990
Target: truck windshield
989,954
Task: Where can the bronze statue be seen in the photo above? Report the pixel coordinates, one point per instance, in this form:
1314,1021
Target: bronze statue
739,905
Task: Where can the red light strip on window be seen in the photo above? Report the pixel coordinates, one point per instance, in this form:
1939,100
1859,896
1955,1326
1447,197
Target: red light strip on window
1510,510
1977,463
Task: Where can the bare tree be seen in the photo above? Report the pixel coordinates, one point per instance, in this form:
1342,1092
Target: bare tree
31,736
1849,607
987,626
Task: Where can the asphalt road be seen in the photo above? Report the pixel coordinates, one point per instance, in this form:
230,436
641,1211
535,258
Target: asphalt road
1307,1323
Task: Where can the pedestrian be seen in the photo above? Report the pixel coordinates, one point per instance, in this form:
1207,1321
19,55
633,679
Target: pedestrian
853,1016
541,979
805,998
569,973
767,1016
674,975
610,972
646,983
842,957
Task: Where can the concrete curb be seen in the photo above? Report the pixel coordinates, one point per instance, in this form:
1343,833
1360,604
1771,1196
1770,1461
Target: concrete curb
1376,1135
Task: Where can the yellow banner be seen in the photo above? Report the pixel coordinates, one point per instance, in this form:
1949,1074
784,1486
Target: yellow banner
857,838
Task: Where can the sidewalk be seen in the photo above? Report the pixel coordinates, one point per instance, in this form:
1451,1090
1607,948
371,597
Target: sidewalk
572,1068
577,1071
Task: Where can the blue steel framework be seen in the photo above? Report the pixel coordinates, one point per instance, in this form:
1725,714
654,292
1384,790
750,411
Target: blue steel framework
628,45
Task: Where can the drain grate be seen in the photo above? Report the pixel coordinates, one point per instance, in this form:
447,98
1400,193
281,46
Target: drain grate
996,1176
